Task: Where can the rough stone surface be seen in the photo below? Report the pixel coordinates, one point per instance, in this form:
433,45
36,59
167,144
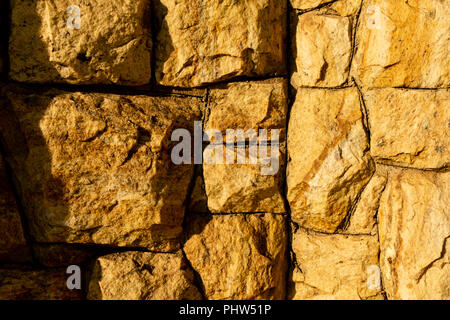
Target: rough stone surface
363,218
249,105
333,266
13,246
329,162
321,50
403,44
200,42
307,4
112,45
50,284
414,226
238,256
243,188
142,276
410,127
96,168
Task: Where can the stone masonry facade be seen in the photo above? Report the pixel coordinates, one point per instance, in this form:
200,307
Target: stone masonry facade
91,93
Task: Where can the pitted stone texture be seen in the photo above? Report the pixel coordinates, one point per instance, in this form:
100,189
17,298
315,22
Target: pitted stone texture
13,246
96,168
410,127
321,48
329,161
414,226
334,267
249,106
112,45
403,44
50,284
200,42
142,276
239,256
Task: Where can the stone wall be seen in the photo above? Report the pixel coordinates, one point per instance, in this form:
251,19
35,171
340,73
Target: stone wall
92,92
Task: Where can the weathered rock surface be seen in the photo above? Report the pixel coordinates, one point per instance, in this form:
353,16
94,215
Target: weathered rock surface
13,246
200,42
329,161
334,266
243,188
16,284
247,185
321,48
112,44
307,4
414,226
410,127
250,105
142,276
96,168
363,219
403,44
239,256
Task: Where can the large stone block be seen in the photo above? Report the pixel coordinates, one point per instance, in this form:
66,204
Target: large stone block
335,267
329,162
110,44
403,44
239,256
13,246
255,183
410,127
51,284
414,227
321,48
142,276
96,168
200,42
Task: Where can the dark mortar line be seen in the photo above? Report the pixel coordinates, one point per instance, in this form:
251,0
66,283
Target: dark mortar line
302,11
283,214
198,170
344,86
427,170
212,85
365,114
107,89
290,254
316,232
383,291
409,88
355,25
